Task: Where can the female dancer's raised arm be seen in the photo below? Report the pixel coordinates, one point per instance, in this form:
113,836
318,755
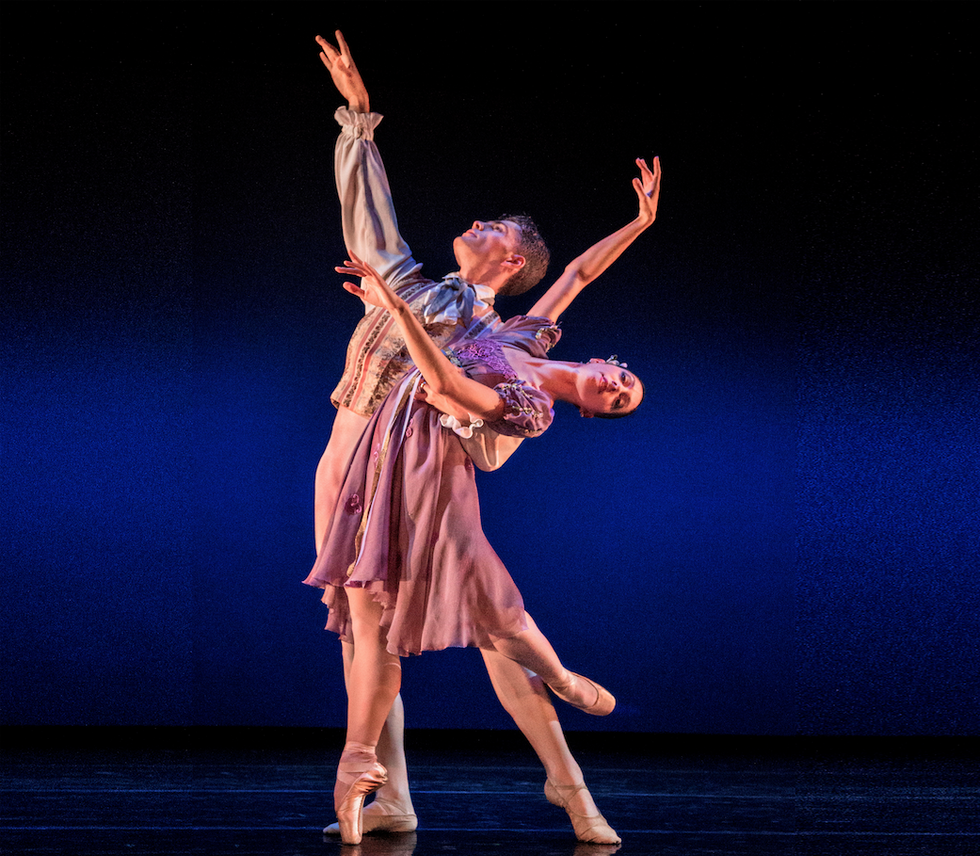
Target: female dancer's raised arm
588,266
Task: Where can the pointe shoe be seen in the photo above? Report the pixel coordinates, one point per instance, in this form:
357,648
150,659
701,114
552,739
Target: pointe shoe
380,820
589,829
602,706
349,808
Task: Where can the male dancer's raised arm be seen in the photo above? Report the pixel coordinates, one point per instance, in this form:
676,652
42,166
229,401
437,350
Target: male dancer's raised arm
367,213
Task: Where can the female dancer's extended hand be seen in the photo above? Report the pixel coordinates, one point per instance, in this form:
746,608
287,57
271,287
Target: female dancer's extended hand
647,188
586,267
373,289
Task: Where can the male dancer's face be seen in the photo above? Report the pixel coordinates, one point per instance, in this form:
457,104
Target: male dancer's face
487,243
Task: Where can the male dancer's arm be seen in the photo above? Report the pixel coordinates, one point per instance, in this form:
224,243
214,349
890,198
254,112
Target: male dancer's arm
368,215
369,222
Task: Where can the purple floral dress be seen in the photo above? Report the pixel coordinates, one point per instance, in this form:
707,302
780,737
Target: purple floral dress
407,525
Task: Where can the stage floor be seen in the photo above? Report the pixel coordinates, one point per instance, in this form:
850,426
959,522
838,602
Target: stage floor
261,792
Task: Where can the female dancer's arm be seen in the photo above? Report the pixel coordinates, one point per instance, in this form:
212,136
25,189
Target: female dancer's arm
441,376
598,257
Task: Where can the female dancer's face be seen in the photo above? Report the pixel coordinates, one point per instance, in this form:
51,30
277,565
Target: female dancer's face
604,388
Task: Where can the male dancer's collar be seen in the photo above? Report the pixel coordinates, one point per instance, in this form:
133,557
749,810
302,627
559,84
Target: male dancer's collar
459,300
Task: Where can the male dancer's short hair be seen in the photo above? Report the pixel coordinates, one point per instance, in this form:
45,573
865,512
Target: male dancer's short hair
536,257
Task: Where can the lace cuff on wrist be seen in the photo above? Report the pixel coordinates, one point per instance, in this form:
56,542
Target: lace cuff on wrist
464,431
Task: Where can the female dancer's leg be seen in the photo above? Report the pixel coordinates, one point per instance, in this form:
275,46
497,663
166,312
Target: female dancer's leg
372,675
393,799
525,698
373,685
392,809
533,651
374,679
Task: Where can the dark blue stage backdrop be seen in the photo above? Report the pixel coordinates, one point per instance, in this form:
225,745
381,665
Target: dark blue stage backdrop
782,540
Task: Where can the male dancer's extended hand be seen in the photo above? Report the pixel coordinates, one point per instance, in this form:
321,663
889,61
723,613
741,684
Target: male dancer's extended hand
344,72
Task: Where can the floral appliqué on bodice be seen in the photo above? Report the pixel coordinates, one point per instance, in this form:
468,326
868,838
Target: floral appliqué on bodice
488,352
527,411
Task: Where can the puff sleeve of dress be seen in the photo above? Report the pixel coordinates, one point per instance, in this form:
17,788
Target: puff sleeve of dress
527,411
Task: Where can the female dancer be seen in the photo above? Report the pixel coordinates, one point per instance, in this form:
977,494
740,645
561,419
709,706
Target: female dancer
404,564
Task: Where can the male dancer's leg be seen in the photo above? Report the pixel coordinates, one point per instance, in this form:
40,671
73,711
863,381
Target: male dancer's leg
347,429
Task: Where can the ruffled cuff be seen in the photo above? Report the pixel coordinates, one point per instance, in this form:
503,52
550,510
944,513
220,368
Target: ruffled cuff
360,126
464,431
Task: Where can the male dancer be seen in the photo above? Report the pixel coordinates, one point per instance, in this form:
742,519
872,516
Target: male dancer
495,257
